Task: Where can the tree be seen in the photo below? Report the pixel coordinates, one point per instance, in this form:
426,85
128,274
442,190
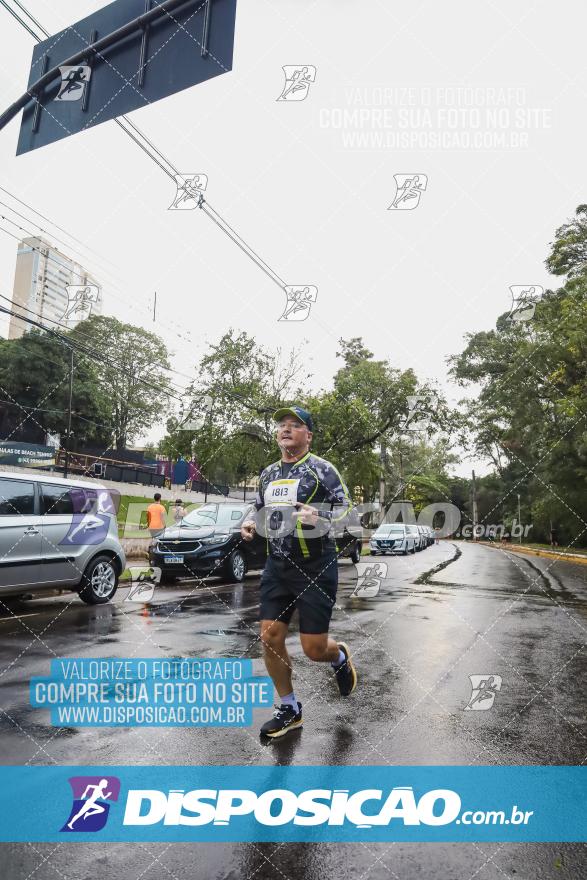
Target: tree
34,392
130,363
529,415
568,254
240,384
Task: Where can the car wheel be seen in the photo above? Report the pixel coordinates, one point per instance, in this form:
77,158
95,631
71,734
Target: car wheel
235,567
414,550
99,581
373,552
356,554
168,579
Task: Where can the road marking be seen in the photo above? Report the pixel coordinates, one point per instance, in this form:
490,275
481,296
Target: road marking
19,616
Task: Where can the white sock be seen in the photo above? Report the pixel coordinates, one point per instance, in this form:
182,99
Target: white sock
341,658
290,700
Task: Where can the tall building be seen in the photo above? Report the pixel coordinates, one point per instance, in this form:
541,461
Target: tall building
51,288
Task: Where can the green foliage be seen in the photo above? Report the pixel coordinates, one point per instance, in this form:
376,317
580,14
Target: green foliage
530,410
34,391
366,407
130,364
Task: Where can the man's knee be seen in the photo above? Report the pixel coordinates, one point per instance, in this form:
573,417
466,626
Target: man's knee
273,635
315,649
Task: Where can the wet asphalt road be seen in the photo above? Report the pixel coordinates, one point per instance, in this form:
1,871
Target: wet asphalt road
451,611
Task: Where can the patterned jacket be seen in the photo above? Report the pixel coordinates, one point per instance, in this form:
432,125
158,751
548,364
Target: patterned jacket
311,480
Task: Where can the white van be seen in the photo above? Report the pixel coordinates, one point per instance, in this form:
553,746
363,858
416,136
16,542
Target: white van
58,533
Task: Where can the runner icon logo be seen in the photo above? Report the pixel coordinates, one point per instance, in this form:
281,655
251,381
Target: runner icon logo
420,411
483,691
73,82
297,82
369,577
409,191
80,300
143,581
90,808
299,302
189,191
524,299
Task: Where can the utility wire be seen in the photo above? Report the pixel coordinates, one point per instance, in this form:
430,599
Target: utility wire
88,352
149,148
34,20
20,21
235,237
46,232
52,222
87,338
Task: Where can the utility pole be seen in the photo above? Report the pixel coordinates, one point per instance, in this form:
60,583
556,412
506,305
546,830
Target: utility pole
474,504
519,520
68,440
383,459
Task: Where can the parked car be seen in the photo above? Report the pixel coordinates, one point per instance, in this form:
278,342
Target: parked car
424,537
207,541
393,538
418,540
57,533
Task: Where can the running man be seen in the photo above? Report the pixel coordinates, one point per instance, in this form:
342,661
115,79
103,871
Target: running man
90,807
301,570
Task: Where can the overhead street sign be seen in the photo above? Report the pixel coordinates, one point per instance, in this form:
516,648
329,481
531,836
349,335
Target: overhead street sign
125,56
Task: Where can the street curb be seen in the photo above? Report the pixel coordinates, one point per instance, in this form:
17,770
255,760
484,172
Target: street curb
531,551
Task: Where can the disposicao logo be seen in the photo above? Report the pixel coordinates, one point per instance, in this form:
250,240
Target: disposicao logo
281,807
90,808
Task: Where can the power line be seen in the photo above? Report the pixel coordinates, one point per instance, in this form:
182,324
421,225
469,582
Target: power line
34,20
42,229
20,21
143,142
89,353
32,234
52,222
87,337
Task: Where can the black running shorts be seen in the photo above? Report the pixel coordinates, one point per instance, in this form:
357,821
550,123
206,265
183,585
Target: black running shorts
309,586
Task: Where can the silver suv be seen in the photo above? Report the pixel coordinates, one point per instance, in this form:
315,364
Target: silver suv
58,533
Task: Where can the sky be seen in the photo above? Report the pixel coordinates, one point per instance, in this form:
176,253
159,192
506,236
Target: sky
478,99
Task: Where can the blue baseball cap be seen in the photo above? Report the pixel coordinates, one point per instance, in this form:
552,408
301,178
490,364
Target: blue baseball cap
297,412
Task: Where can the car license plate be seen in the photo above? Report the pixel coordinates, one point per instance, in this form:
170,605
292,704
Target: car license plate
385,543
173,560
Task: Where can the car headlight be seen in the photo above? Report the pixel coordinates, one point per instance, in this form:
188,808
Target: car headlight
215,539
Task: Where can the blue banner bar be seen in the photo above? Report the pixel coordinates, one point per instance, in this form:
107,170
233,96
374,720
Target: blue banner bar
320,804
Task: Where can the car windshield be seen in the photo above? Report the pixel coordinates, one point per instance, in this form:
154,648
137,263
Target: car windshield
214,515
390,530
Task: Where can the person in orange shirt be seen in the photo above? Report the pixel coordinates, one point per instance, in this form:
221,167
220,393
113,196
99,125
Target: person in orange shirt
156,515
